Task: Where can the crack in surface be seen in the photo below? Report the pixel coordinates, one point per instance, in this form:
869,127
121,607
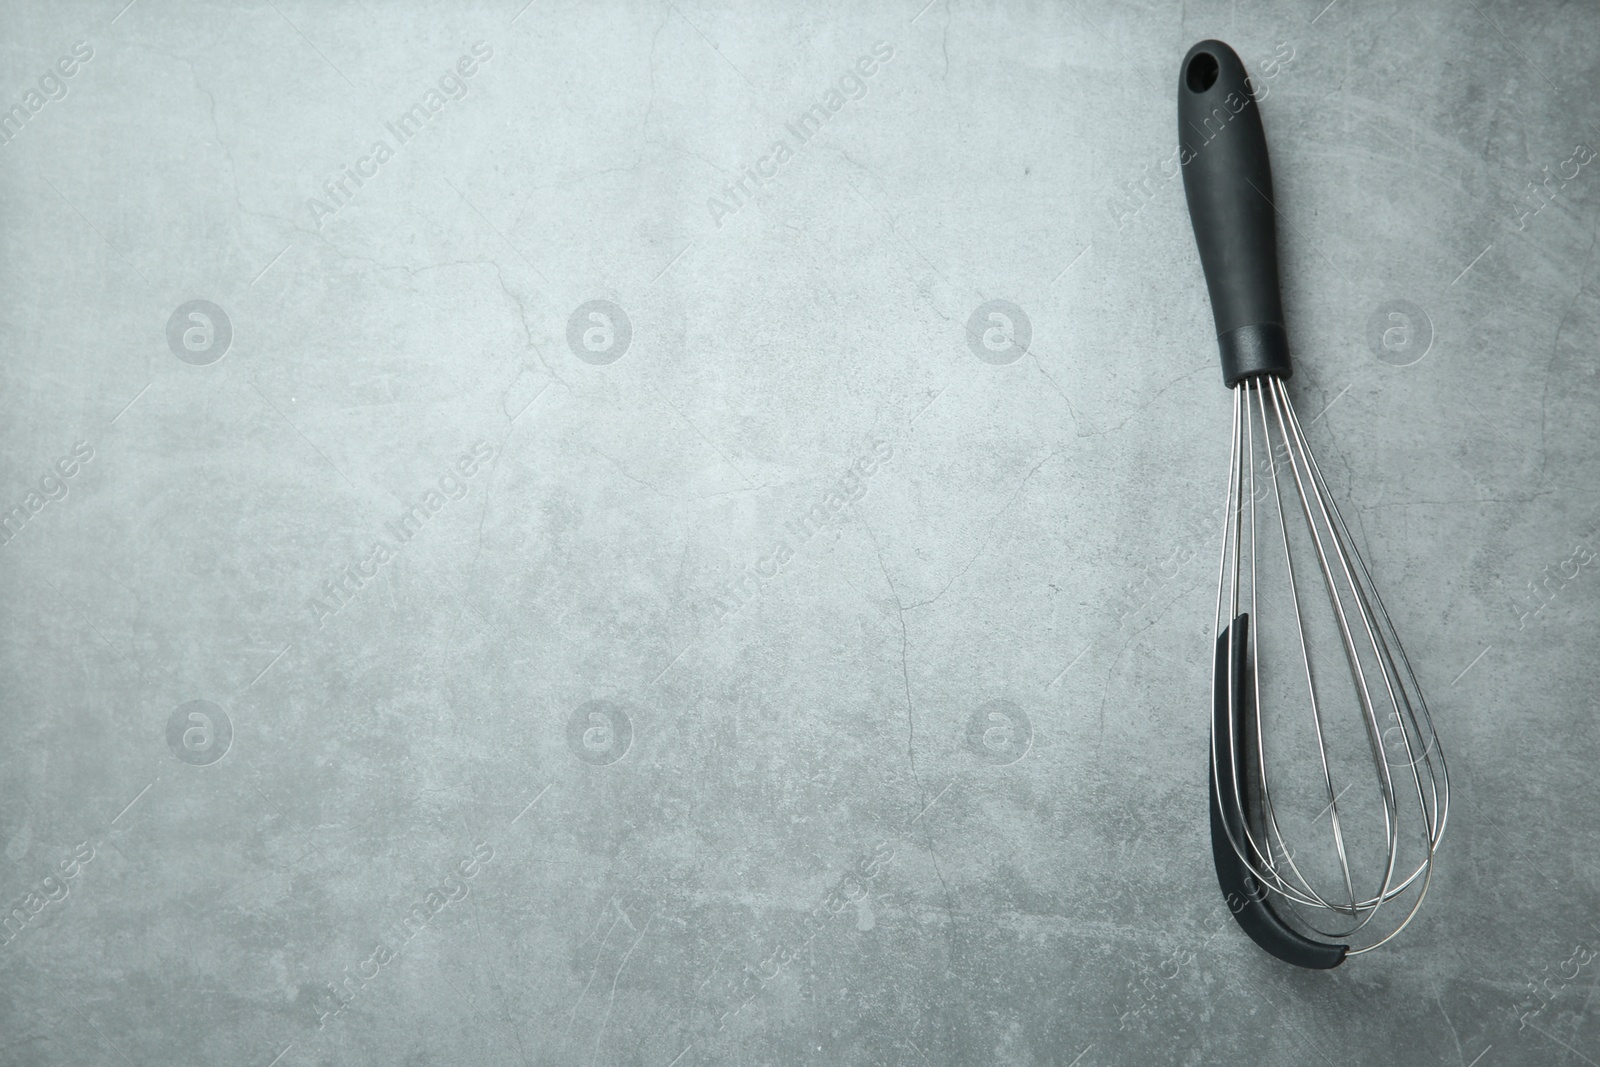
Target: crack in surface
911,737
988,536
1555,345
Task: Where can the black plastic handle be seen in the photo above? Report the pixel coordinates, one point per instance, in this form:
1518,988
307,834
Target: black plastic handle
1228,181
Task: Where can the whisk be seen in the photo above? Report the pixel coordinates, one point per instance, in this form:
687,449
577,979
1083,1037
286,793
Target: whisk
1312,692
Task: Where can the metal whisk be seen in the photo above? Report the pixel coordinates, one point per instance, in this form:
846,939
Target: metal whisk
1342,679
1314,701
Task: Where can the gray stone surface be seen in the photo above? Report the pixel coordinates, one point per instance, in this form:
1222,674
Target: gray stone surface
619,815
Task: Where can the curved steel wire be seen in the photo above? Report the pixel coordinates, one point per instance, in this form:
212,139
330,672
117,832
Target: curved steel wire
1271,470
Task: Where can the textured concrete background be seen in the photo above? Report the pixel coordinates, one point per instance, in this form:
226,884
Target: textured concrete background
660,731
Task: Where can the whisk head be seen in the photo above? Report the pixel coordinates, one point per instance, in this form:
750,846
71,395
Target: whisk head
1329,788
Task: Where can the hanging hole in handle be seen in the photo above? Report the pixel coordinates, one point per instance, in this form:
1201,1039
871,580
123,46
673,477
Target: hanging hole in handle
1202,72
